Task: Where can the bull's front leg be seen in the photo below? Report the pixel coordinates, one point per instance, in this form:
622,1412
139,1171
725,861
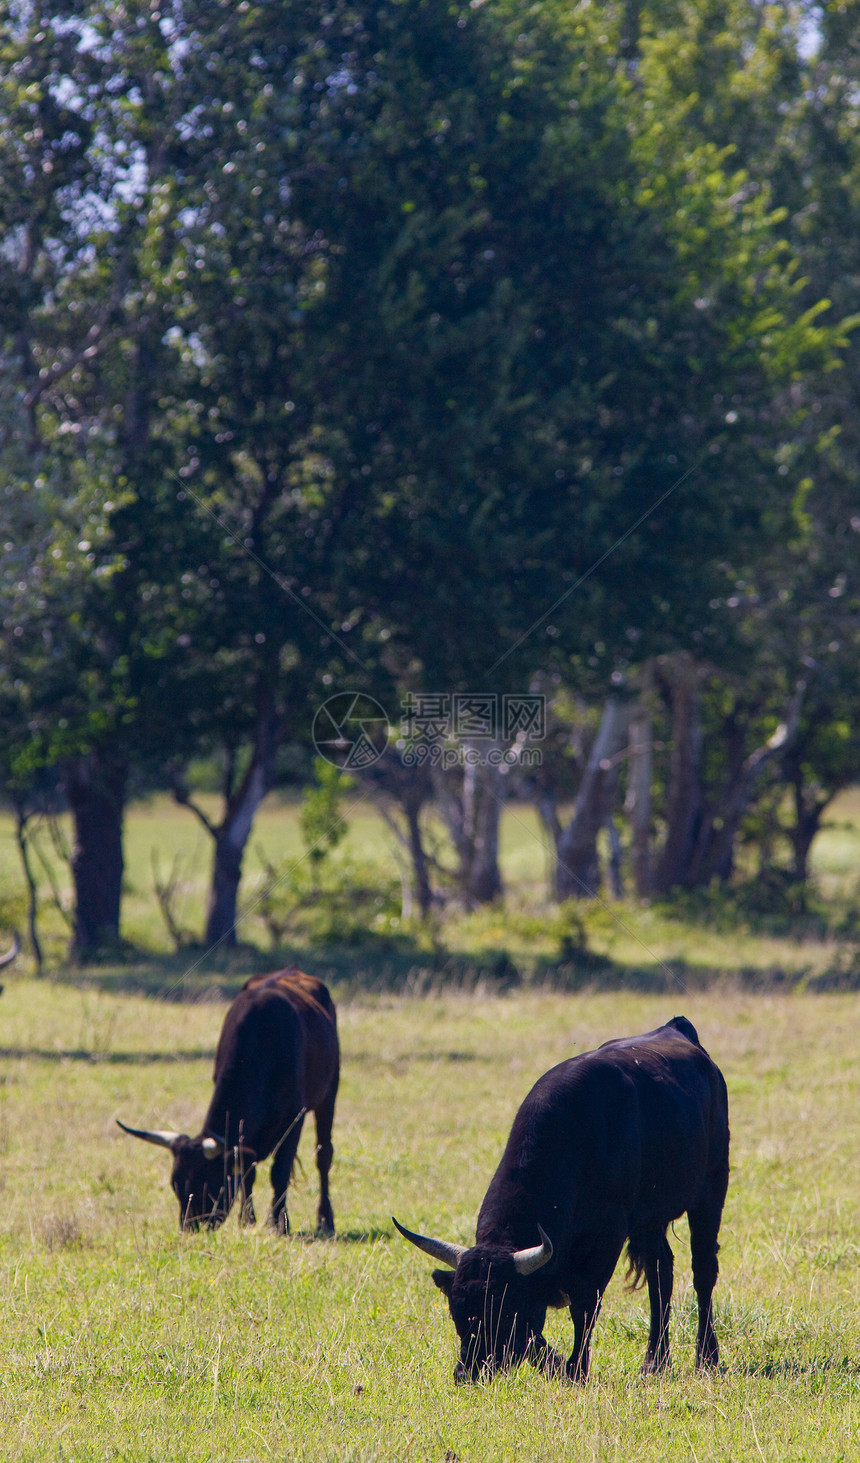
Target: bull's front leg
584,1316
282,1168
545,1357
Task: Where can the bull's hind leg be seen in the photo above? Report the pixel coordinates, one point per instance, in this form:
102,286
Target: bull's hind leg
653,1252
704,1223
325,1152
282,1168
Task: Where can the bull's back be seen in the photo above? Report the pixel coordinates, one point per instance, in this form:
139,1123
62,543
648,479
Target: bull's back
682,1118
310,1000
278,1052
638,1125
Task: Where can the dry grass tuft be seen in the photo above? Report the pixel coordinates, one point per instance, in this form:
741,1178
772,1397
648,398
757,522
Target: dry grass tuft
61,1232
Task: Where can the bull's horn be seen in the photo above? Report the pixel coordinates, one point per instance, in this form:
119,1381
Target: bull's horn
440,1249
11,954
526,1261
213,1147
162,1138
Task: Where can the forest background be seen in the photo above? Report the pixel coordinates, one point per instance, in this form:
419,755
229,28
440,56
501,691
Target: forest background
442,356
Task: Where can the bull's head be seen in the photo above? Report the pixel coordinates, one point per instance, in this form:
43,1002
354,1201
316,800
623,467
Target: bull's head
498,1314
207,1174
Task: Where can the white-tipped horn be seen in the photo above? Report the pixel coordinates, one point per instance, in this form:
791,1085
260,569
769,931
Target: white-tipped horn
11,954
162,1138
213,1147
440,1249
527,1261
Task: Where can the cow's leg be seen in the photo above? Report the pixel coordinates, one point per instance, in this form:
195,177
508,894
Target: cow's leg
282,1168
324,1115
659,1272
704,1223
545,1357
586,1293
244,1188
584,1315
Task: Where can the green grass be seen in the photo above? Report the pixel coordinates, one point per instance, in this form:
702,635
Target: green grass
123,1339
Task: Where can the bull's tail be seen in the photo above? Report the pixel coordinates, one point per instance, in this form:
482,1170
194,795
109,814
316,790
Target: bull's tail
634,1276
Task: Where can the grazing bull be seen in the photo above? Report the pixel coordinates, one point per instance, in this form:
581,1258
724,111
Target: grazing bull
608,1146
277,1059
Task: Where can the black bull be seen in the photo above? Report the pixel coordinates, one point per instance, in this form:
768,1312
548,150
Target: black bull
277,1059
609,1146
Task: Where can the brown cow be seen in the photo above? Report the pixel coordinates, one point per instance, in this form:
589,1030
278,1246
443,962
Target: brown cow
277,1059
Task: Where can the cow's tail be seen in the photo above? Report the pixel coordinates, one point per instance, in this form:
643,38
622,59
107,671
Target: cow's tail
634,1276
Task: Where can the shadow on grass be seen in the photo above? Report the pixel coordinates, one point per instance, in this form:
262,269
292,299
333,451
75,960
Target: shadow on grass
797,1367
83,1054
342,1236
403,966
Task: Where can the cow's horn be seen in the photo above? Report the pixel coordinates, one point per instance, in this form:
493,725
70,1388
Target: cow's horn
162,1138
440,1249
10,954
526,1261
213,1147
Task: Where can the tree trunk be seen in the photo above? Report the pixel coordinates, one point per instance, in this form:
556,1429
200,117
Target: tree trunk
685,801
472,816
22,818
577,863
638,801
95,788
482,810
808,814
717,859
421,876
231,834
409,787
616,877
230,840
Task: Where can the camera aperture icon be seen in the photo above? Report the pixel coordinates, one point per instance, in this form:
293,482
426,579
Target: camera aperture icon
350,730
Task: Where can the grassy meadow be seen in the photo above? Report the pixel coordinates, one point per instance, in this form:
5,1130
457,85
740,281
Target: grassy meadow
123,1339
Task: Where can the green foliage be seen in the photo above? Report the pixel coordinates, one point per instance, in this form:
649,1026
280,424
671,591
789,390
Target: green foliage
321,820
343,901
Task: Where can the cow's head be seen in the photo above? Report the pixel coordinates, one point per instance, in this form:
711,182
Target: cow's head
206,1175
498,1313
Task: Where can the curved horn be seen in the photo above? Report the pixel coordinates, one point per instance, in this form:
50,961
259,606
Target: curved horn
11,954
213,1147
527,1261
161,1138
438,1248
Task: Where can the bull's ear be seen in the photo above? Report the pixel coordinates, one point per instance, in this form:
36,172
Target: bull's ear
444,1279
